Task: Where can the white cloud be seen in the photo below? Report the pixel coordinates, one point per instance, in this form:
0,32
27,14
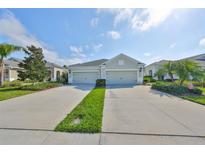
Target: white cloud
77,51
13,29
149,18
94,22
97,47
114,35
202,42
141,20
172,45
120,14
147,54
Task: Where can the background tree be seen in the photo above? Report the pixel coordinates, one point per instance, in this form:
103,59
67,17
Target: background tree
186,70
5,51
160,73
34,65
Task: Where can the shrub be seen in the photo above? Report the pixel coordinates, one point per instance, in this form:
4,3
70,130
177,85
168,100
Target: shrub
15,83
148,79
175,89
196,91
63,78
40,86
100,83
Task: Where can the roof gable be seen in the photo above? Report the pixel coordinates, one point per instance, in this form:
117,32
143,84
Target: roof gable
124,56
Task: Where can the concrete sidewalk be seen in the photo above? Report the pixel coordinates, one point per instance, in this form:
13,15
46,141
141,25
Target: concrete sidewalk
41,110
33,137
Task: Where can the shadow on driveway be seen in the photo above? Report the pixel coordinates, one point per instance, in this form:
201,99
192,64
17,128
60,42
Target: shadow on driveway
161,94
120,86
83,87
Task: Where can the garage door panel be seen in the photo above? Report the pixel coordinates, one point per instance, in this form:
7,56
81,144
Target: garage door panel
85,77
121,77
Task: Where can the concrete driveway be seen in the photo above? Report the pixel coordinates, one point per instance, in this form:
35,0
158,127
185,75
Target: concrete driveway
41,110
137,114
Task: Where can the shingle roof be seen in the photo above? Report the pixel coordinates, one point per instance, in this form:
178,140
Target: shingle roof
200,57
49,64
13,62
161,62
90,63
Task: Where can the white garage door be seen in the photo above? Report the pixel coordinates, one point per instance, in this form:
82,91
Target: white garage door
85,77
121,77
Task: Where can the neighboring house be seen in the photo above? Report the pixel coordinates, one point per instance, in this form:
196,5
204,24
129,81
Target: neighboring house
55,71
200,59
151,69
118,70
11,69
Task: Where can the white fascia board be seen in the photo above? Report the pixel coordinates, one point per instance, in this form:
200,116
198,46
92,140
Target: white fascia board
121,69
79,71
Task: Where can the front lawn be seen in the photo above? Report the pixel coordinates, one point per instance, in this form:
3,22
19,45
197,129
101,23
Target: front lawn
15,91
203,89
197,99
87,116
10,92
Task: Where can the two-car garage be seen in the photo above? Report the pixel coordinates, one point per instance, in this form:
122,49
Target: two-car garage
112,77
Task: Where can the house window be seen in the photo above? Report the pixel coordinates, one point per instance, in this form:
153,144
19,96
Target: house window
150,72
120,62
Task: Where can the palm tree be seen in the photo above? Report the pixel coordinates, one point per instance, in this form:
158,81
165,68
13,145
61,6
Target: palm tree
6,50
186,69
169,68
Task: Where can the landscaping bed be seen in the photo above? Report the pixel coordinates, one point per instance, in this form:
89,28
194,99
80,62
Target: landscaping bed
87,116
16,89
195,94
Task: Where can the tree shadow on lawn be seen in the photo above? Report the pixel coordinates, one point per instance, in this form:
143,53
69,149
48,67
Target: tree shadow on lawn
8,89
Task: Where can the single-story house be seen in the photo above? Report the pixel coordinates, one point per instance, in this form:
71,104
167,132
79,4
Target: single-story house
151,69
11,69
120,69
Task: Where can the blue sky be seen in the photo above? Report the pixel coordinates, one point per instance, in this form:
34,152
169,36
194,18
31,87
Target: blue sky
77,35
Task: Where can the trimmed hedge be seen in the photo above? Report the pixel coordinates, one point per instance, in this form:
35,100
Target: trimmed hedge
100,83
148,79
15,83
40,86
175,89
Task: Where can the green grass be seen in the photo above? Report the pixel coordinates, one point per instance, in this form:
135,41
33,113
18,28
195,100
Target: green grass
197,99
203,89
89,111
11,92
6,93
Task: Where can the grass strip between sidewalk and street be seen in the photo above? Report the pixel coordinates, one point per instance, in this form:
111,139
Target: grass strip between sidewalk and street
87,116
